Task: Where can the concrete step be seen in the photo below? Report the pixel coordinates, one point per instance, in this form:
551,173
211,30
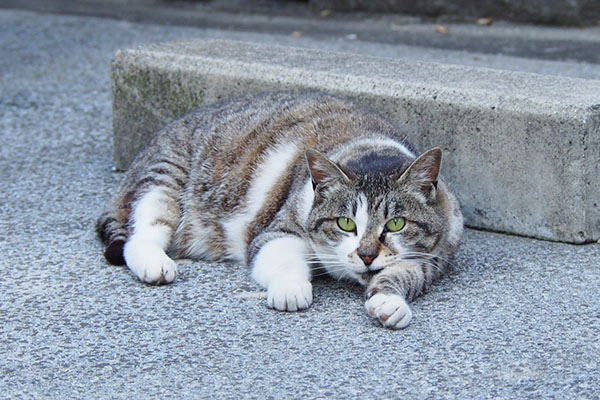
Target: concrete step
521,150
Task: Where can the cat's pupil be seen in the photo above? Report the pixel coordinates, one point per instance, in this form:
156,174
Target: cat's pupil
346,224
395,224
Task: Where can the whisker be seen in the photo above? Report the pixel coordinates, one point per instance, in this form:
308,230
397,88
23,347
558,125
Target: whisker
321,257
425,259
318,262
325,273
320,274
332,269
412,255
430,256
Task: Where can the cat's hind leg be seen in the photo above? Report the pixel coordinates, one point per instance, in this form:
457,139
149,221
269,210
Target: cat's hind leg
154,219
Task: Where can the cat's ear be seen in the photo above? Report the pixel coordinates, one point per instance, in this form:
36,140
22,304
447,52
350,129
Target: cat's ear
323,170
423,172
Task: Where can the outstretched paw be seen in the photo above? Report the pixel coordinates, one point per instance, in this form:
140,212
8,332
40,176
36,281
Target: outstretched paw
289,295
150,264
391,310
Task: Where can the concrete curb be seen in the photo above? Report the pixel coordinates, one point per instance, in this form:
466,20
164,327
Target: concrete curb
522,150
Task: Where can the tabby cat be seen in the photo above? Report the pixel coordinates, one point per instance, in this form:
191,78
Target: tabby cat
288,183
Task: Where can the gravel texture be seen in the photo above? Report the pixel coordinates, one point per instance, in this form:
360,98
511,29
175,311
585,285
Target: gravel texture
518,318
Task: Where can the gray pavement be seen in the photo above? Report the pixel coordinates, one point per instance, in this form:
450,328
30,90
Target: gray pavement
518,318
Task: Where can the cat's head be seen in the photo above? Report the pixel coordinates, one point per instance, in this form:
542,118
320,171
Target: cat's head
372,213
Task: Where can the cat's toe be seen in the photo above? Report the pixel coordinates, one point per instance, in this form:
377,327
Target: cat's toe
168,272
151,265
390,310
160,271
289,295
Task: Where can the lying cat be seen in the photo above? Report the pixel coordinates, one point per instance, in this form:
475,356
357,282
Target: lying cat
288,184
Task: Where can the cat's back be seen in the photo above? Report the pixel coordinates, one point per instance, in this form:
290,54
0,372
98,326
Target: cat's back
237,135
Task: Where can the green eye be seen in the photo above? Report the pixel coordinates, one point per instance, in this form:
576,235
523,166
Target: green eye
395,224
346,224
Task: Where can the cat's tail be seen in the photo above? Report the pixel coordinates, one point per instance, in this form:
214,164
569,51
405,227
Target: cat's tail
113,233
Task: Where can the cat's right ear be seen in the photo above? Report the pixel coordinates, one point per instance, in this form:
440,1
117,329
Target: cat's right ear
423,172
323,171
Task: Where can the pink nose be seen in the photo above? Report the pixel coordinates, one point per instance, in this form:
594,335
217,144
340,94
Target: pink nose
367,258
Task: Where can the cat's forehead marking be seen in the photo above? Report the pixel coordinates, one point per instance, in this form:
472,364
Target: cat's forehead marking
362,214
384,142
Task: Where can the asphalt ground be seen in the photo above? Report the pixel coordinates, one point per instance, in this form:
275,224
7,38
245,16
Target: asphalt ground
517,318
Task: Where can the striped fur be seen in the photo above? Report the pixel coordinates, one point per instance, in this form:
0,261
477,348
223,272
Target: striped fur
262,180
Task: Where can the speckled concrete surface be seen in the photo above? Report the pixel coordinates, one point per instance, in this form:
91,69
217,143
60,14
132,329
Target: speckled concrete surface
518,318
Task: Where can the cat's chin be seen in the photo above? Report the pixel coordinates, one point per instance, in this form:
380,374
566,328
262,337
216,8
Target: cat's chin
366,277
361,277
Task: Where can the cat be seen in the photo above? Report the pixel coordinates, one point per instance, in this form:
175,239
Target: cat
289,184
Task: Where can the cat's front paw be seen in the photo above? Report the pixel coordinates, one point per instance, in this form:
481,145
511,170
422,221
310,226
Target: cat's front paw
289,295
150,264
391,310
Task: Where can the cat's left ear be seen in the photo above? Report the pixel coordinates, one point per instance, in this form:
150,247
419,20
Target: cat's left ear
424,171
323,171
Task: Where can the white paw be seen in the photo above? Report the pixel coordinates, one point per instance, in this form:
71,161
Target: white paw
289,295
391,310
150,263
